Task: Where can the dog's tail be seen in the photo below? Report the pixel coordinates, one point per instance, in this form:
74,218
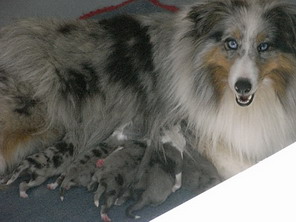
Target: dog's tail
137,206
16,173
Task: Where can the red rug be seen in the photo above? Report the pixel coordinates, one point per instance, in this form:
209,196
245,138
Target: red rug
154,6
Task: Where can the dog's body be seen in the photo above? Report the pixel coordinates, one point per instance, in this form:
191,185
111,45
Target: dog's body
162,176
43,165
80,171
117,174
221,65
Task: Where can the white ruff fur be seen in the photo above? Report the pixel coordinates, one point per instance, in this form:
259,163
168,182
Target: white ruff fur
237,137
231,136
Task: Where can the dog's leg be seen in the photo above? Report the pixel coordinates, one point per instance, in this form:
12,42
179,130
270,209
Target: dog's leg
174,144
24,186
178,172
93,185
101,189
58,182
144,163
68,180
123,198
66,185
104,216
110,200
178,183
24,166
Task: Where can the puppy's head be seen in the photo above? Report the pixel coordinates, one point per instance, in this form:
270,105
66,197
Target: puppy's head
246,45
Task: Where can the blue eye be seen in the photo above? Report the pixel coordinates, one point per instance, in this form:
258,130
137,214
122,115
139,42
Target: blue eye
262,47
231,44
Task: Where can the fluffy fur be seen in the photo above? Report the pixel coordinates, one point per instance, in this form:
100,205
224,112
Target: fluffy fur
162,177
116,175
226,66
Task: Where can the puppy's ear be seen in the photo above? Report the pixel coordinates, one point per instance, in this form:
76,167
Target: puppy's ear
283,18
205,16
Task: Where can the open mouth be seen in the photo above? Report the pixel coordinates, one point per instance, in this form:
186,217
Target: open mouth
244,100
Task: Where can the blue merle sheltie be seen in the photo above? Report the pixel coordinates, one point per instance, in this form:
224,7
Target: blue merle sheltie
227,67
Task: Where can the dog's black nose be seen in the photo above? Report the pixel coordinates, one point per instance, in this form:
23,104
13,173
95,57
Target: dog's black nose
243,86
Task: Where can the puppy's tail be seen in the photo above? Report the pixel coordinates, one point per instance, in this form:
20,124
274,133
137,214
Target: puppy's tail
16,173
131,209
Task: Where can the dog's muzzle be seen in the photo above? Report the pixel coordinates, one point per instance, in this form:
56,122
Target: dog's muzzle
243,87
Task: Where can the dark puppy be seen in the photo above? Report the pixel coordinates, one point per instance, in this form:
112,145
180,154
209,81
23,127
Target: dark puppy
161,178
199,174
116,174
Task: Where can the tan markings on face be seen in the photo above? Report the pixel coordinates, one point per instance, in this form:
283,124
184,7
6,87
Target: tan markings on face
237,34
278,69
219,67
261,37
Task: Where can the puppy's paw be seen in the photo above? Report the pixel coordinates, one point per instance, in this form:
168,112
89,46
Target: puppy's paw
23,194
105,218
52,186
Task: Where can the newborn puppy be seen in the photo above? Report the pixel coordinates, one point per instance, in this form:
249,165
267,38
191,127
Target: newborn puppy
81,170
161,179
116,174
40,166
199,174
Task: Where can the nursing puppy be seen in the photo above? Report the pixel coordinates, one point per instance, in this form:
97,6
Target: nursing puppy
227,66
160,179
199,174
116,174
41,166
80,171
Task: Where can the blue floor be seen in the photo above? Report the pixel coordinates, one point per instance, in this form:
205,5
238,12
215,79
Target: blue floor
44,205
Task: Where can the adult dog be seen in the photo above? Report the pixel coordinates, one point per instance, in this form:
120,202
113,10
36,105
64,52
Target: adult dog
226,66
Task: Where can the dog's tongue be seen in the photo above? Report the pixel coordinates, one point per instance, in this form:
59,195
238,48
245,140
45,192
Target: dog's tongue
244,98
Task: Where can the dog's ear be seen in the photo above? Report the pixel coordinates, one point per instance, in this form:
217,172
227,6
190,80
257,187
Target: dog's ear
283,18
205,16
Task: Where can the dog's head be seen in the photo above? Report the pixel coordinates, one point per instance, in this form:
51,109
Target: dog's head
246,45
